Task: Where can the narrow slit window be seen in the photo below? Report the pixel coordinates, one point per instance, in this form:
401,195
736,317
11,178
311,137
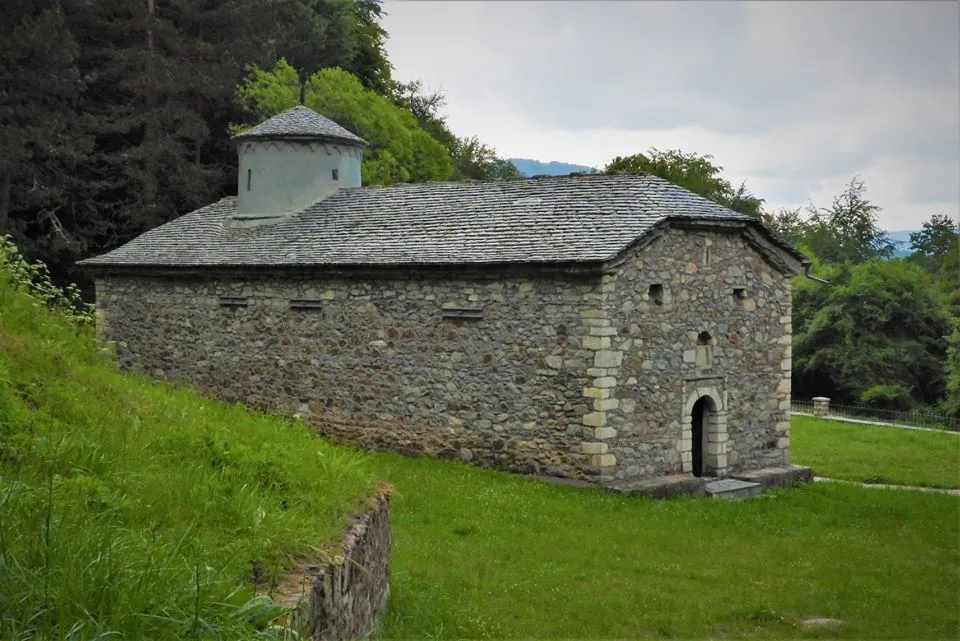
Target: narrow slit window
249,178
335,173
305,303
234,301
704,354
462,312
655,294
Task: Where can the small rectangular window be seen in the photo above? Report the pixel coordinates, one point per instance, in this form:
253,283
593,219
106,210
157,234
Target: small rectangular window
655,294
305,303
462,312
234,301
739,293
335,173
249,178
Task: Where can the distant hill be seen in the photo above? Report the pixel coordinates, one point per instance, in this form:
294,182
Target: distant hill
529,167
902,237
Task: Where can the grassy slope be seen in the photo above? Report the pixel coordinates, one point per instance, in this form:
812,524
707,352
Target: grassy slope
479,554
132,507
876,454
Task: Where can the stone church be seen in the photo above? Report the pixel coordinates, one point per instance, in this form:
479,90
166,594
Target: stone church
607,328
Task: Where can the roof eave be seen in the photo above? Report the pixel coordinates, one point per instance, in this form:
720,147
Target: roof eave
140,269
356,142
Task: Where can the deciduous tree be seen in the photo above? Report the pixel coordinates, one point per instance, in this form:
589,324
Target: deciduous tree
472,159
877,335
400,150
937,238
691,171
847,231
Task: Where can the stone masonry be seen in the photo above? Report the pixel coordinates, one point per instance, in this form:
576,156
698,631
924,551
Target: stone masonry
574,372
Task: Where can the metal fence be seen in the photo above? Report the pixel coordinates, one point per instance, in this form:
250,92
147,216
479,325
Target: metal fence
912,418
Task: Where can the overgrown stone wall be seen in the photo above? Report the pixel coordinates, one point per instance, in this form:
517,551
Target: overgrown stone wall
345,598
582,375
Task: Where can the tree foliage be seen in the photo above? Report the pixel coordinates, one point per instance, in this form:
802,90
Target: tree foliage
847,231
43,143
400,150
691,171
877,335
472,159
936,249
951,400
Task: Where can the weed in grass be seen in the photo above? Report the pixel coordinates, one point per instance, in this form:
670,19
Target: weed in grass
765,615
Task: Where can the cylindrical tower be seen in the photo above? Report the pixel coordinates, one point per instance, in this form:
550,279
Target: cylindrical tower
291,161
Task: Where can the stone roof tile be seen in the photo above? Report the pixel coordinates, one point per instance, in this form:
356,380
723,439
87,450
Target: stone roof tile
300,122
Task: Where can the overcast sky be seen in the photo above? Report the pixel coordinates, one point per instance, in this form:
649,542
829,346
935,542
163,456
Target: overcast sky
795,98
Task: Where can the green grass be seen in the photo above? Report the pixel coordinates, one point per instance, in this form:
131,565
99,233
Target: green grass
869,453
479,554
132,508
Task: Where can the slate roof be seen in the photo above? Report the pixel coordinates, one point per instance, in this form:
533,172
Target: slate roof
300,122
589,218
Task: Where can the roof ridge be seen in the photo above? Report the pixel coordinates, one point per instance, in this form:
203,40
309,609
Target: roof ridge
516,181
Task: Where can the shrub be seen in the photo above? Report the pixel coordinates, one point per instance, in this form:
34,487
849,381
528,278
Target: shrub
34,280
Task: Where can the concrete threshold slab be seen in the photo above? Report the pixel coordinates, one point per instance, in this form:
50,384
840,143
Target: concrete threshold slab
733,489
662,487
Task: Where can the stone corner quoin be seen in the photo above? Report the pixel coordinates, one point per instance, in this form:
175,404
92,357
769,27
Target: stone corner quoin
676,360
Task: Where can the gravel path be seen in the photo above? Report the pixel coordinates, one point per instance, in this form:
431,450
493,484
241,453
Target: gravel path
937,490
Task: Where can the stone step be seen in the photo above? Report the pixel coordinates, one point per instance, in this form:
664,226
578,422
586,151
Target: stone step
777,476
661,487
732,489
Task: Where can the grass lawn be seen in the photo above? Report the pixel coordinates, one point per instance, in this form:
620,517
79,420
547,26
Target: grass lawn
870,453
479,554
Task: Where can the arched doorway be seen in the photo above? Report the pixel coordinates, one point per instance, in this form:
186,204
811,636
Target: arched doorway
699,419
703,439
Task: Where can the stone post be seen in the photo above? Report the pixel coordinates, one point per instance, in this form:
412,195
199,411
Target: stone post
821,405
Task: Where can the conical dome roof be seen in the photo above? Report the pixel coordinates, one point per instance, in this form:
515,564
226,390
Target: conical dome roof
300,123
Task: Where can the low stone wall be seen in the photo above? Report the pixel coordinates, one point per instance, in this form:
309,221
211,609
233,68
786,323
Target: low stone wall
345,598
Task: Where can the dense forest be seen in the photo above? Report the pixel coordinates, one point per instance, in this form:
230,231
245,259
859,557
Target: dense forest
116,116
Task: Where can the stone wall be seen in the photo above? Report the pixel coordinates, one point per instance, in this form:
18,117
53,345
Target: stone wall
376,362
694,313
564,373
345,598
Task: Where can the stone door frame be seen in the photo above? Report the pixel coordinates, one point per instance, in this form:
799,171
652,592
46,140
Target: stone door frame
714,425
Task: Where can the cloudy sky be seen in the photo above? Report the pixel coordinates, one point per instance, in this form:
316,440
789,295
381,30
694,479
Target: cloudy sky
795,98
